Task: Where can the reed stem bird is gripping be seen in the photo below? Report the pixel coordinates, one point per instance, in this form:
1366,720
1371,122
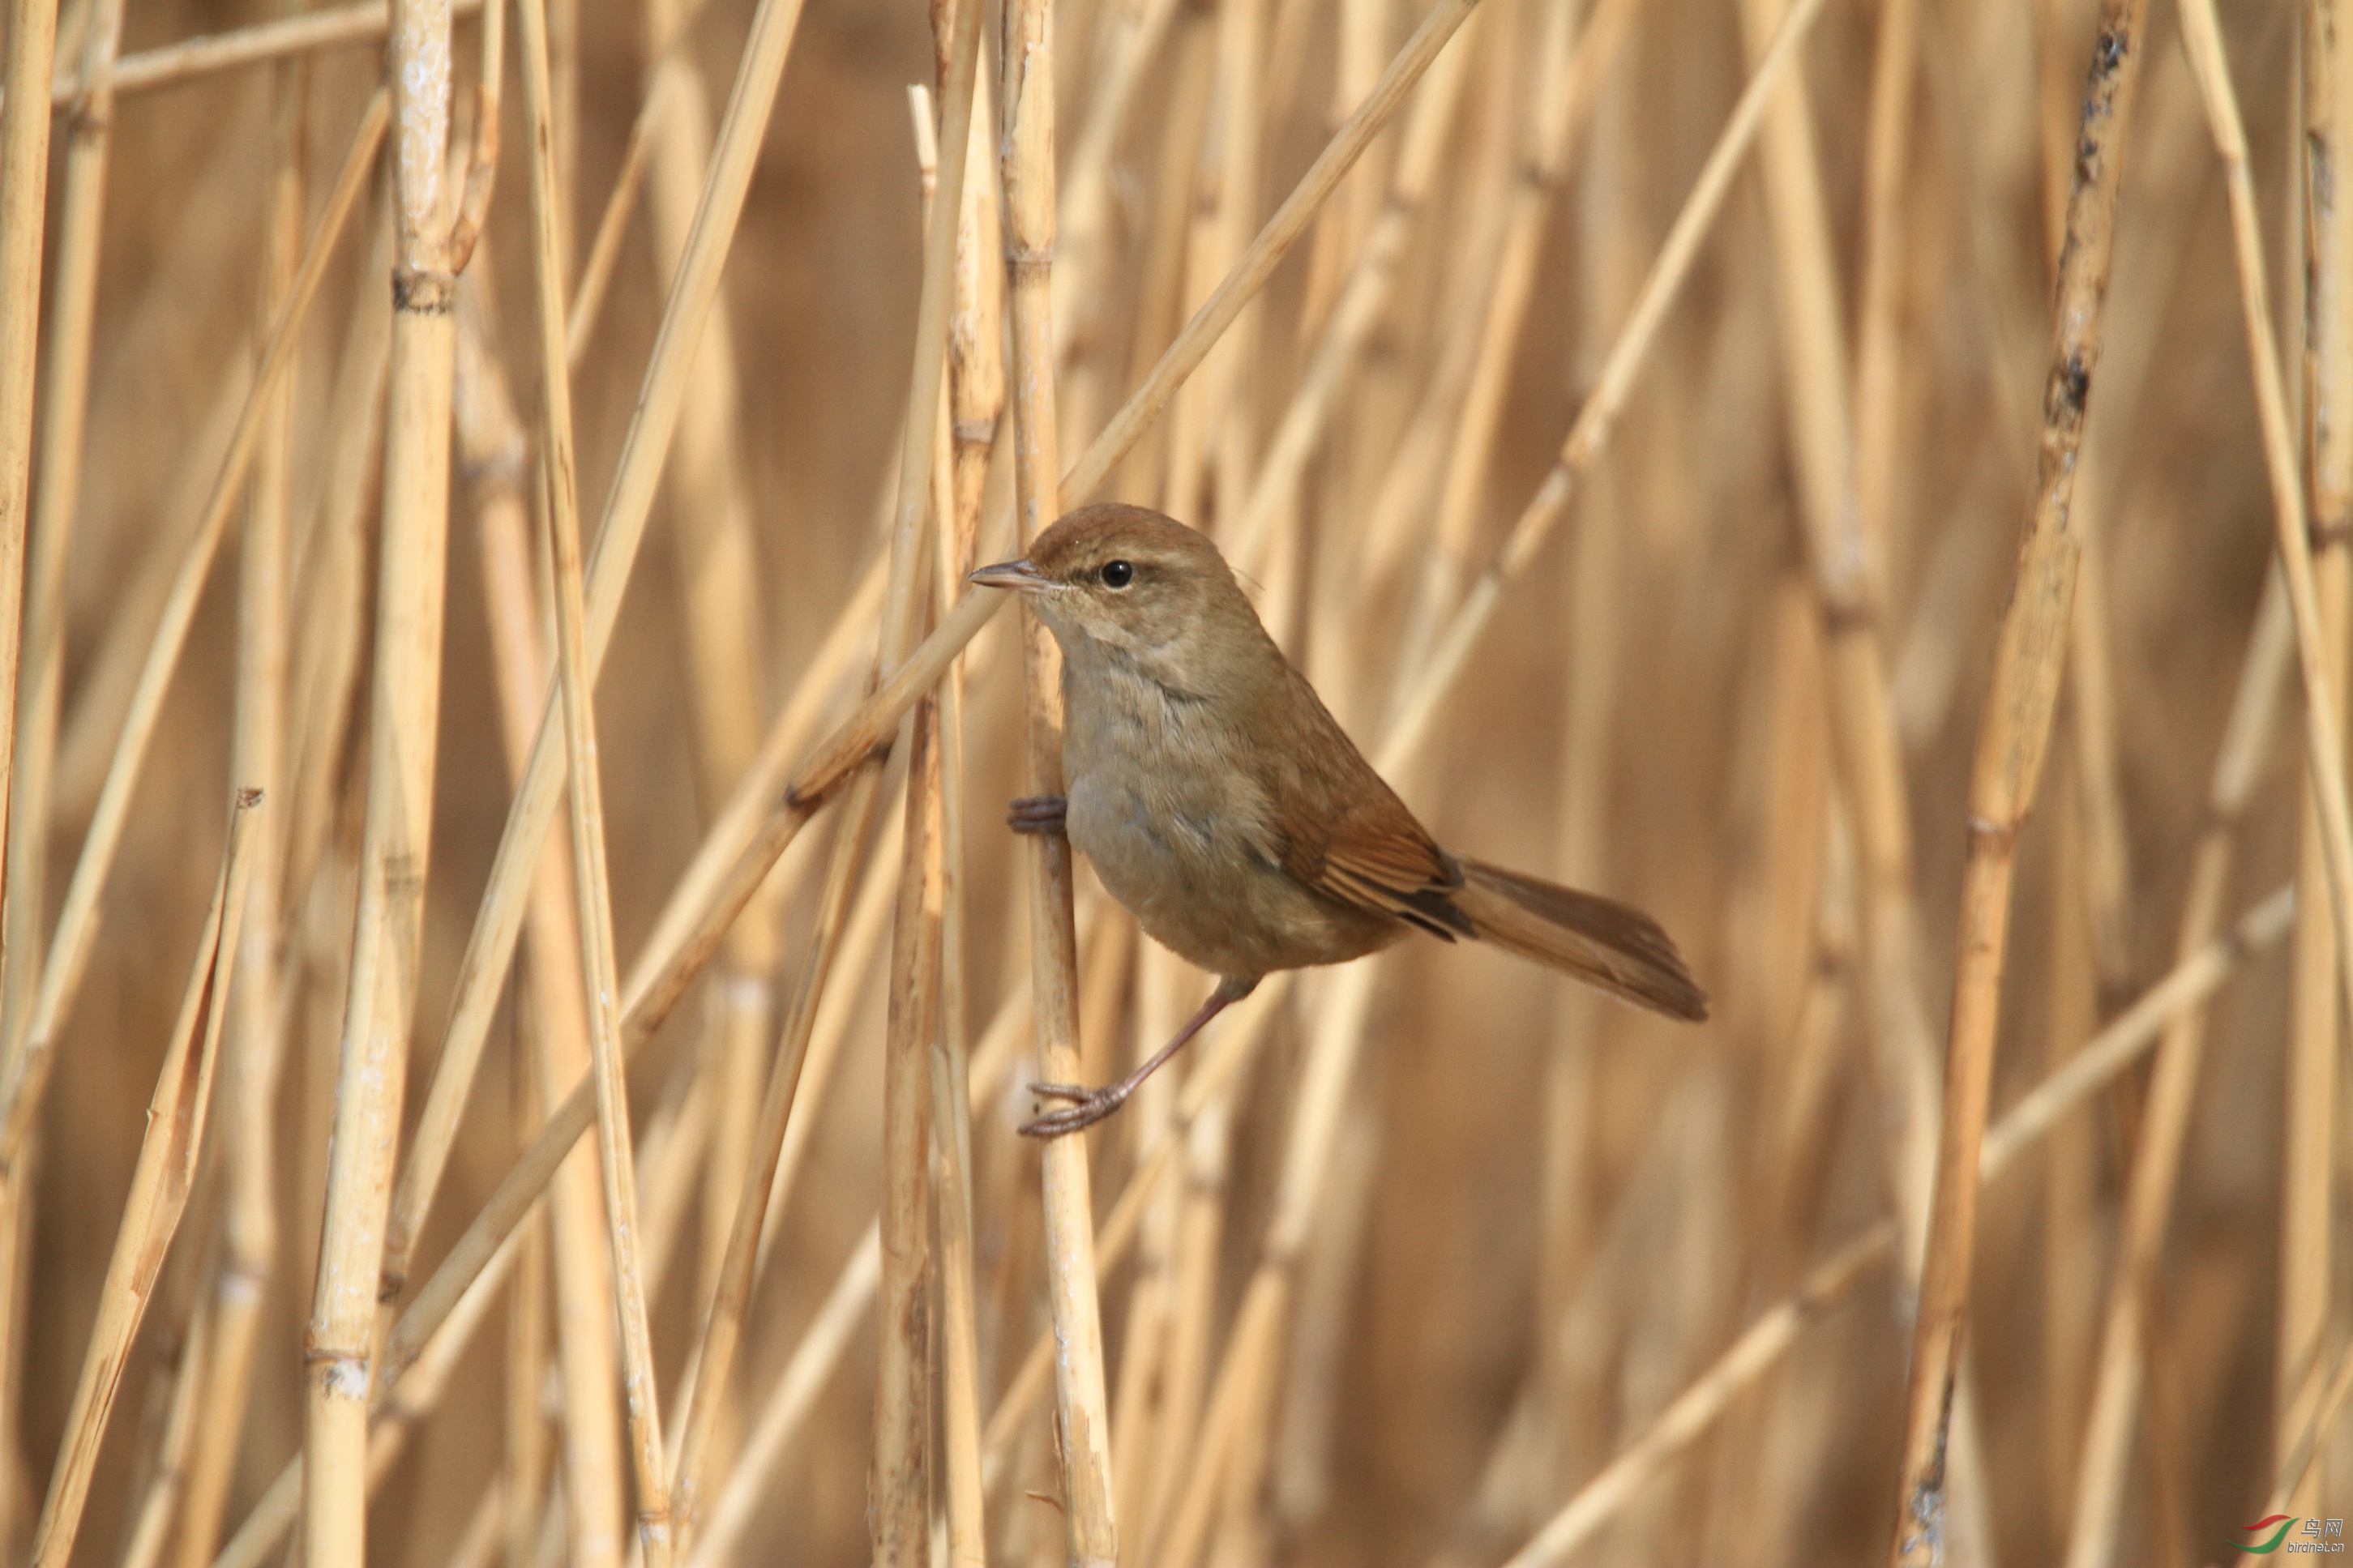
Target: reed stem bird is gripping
1221,803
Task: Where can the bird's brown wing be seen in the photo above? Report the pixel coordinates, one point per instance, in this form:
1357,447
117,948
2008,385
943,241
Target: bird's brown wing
1344,833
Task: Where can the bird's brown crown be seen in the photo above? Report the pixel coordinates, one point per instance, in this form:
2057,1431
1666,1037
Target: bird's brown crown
1076,548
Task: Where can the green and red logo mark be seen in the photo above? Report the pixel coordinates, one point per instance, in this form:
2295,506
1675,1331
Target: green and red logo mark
2271,1542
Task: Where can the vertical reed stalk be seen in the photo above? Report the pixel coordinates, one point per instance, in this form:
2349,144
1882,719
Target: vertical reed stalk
2307,1162
592,884
1082,1407
496,461
24,190
711,512
255,1051
404,727
2013,732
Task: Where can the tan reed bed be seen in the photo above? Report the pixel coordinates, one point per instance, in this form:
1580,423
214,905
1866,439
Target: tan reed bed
1624,412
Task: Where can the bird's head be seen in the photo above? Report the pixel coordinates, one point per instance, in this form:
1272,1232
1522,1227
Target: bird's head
1139,585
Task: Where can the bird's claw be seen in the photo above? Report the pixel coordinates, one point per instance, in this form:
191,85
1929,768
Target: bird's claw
1087,1107
1038,814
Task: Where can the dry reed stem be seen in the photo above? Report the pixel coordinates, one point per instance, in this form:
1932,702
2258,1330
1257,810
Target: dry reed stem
1212,1080
404,733
1760,1346
495,428
24,187
1363,300
255,1051
2324,704
2015,729
1272,242
2308,1123
191,59
1553,124
664,83
166,1172
1420,695
1755,1351
490,948
900,1479
975,402
731,1291
65,385
2124,1334
826,1340
33,1058
392,1421
151,1520
1844,545
903,1399
493,451
1073,1295
822,1346
711,531
1886,163
592,881
527,1456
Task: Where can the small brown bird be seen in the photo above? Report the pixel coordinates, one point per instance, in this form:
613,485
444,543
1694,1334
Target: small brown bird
1222,804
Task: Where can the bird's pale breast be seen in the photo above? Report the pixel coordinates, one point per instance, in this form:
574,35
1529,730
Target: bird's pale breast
1181,835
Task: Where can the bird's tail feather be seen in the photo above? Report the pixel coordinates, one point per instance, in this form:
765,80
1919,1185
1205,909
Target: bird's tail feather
1607,944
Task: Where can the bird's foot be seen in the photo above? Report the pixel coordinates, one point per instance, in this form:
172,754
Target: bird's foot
1087,1107
1039,813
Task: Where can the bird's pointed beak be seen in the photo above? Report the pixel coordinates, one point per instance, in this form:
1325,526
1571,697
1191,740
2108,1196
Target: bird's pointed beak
1017,575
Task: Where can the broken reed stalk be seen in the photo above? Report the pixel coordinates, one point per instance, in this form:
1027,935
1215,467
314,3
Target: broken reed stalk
1082,1407
30,1064
1759,1347
404,731
2014,730
160,1186
2308,1123
592,884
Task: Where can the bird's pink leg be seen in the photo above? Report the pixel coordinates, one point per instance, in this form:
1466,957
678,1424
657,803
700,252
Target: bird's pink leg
1088,1106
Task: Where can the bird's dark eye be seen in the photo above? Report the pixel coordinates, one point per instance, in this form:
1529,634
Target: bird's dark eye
1117,573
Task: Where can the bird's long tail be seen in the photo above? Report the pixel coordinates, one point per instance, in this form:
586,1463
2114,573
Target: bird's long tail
1607,944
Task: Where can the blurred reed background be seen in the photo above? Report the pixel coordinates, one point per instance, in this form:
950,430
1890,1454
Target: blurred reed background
1634,445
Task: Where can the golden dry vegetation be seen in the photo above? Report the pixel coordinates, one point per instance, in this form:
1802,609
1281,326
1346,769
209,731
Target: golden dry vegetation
1681,449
